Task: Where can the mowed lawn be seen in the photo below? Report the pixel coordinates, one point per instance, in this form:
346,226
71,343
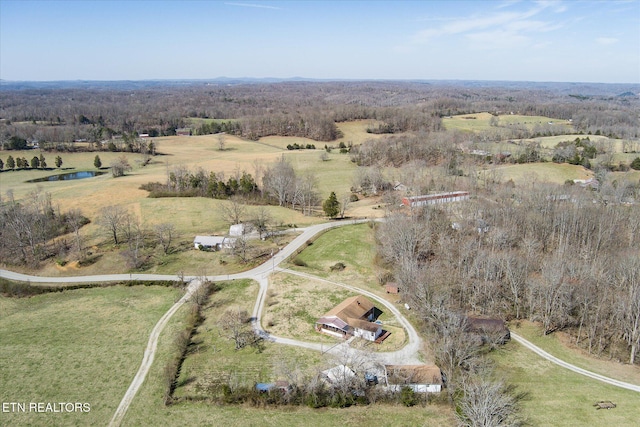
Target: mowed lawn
352,245
556,396
75,346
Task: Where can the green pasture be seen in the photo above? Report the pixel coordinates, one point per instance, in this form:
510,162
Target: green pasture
556,396
563,346
353,245
528,174
80,345
247,365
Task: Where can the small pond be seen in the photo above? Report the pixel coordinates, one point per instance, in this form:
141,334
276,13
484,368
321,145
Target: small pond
68,176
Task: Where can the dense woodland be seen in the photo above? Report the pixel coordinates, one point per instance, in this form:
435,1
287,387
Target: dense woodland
570,264
58,115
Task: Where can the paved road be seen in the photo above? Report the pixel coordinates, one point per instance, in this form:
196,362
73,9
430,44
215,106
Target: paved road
571,367
407,355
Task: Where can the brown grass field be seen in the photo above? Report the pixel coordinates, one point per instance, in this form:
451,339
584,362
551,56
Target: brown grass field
481,122
82,345
193,216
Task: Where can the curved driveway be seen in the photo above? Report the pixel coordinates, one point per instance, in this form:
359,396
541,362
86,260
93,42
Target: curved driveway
407,355
571,367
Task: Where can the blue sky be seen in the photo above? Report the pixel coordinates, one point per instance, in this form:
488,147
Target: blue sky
569,41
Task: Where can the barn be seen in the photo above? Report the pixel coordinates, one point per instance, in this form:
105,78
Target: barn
435,199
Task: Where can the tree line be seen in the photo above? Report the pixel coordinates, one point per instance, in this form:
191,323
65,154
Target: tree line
37,162
58,117
281,185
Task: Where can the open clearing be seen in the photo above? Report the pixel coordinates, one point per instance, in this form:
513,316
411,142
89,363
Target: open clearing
482,122
354,246
562,346
532,173
210,353
557,396
83,345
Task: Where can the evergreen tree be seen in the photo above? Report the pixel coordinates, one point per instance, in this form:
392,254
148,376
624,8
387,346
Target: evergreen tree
58,161
635,164
11,164
35,162
331,206
96,162
43,162
1,164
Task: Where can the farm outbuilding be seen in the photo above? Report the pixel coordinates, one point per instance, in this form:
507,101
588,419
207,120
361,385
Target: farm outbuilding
435,199
339,374
488,329
419,378
239,229
392,288
214,243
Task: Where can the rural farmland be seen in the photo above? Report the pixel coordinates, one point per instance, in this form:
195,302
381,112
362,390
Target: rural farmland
438,224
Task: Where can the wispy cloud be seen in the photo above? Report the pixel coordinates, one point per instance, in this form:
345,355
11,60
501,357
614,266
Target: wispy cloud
499,29
254,5
604,41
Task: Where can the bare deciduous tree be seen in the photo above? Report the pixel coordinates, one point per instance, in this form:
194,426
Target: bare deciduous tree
165,233
234,211
261,220
112,218
75,220
487,403
222,140
235,323
120,166
279,180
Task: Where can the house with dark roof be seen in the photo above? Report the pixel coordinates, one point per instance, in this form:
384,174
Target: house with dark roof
488,330
354,316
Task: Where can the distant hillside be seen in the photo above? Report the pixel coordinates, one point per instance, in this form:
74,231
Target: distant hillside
583,90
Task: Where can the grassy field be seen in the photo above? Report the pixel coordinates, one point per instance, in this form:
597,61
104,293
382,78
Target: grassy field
355,132
303,301
531,173
559,397
562,346
75,346
204,414
212,352
482,122
352,245
247,365
191,216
